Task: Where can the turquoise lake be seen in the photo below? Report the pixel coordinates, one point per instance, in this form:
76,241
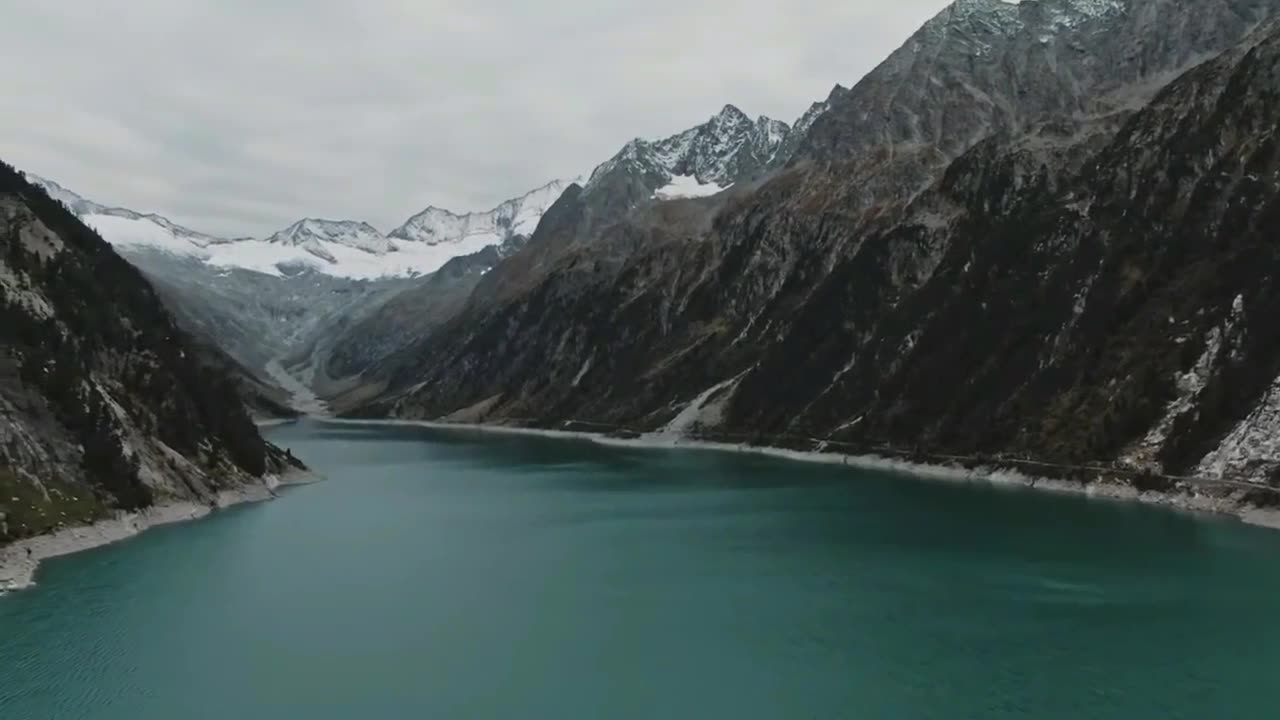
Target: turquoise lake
451,574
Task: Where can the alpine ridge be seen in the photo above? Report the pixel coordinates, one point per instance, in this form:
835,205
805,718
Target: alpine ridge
472,232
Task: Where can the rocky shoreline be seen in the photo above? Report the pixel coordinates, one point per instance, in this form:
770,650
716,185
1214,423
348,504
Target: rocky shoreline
1231,506
20,560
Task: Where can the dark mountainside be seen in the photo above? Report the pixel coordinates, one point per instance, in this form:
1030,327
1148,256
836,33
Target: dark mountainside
358,346
104,403
1037,231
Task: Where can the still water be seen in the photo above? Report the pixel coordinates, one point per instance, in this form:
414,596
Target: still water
457,575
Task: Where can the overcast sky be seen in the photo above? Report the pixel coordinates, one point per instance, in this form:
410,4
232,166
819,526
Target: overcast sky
238,117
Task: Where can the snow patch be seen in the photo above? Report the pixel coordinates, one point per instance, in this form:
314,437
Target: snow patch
687,186
124,231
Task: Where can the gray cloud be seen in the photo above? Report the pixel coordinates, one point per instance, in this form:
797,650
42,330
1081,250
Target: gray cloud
239,116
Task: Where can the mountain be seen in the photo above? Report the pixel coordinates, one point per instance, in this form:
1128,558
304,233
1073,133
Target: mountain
984,67
1036,232
471,232
726,149
313,234
702,161
105,404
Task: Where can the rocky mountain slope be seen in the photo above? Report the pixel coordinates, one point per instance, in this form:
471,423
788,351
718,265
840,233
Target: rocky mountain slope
105,403
1037,231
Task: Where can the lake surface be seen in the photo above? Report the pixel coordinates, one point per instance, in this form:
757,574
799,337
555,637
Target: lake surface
457,575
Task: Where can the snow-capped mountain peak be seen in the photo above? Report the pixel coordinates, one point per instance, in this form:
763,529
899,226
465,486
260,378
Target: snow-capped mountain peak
308,232
730,117
471,232
727,148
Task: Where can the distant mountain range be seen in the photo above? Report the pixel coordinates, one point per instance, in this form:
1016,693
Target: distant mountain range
700,161
341,248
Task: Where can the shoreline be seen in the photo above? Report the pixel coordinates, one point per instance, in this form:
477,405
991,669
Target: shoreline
989,476
20,561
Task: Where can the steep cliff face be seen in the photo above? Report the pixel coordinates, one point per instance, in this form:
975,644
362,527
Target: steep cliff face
1081,274
104,402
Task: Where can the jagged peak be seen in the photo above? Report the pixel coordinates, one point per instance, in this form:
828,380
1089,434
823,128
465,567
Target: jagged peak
313,225
731,113
309,232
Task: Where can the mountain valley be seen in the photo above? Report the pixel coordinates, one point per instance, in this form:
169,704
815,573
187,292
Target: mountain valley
1037,232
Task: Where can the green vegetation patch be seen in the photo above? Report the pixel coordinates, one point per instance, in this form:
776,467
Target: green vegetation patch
26,511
